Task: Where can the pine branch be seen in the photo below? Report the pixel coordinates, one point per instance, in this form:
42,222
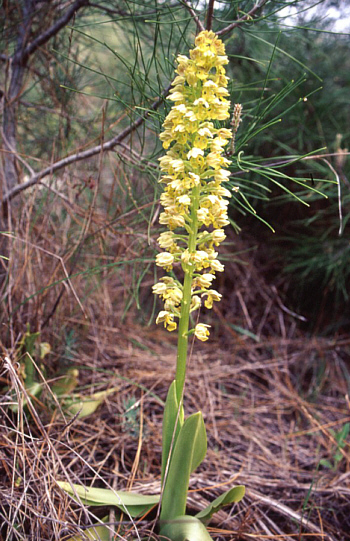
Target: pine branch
243,19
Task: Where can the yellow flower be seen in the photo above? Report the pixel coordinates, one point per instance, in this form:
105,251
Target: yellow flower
195,303
222,175
218,236
168,319
216,266
200,256
159,288
176,96
166,239
201,331
204,280
173,295
172,220
183,200
216,161
211,295
164,259
194,153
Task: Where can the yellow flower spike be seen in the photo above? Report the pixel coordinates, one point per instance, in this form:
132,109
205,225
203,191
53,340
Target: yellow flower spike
193,169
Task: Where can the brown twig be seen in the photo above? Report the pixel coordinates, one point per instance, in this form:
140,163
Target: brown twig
195,17
210,14
15,70
290,513
22,55
243,19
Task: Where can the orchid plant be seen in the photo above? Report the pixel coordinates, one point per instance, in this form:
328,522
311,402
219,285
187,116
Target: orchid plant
195,203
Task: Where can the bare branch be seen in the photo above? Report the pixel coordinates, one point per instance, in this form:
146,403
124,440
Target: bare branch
21,56
105,147
13,90
243,19
210,13
200,26
14,153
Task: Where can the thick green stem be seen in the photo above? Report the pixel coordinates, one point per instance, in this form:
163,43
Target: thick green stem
29,370
182,344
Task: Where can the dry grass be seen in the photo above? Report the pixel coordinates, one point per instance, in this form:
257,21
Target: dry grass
273,401
268,417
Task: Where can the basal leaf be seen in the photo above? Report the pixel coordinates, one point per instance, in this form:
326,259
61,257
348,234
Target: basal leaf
34,390
189,452
95,533
98,533
234,495
66,383
171,420
85,406
130,502
184,528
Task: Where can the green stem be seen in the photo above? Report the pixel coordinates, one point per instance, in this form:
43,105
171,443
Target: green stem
182,343
29,370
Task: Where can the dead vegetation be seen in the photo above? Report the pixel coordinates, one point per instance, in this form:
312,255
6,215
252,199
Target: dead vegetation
274,400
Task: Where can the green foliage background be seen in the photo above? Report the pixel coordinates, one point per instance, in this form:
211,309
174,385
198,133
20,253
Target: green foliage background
103,72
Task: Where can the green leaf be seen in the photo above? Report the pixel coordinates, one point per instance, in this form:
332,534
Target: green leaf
184,528
95,533
324,462
29,342
66,383
129,502
189,452
169,423
234,495
342,435
245,332
337,457
33,390
84,406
